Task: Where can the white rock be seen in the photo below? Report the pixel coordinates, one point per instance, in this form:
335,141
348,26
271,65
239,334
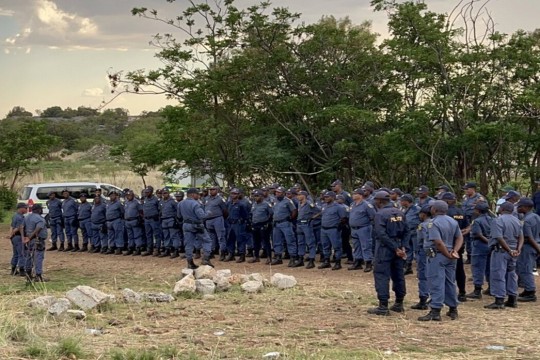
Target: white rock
222,283
237,279
224,273
186,271
59,307
77,314
158,297
205,286
205,272
131,296
271,355
255,277
253,286
186,285
88,298
283,281
42,302
209,297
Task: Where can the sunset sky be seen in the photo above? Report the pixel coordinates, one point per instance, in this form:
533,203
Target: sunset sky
57,52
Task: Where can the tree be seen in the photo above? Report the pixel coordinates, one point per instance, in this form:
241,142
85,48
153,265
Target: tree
18,111
52,112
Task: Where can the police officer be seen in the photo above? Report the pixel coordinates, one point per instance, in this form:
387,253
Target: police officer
16,233
423,197
132,223
115,224
216,213
239,214
169,225
389,228
531,248
469,201
56,221
333,215
152,225
98,219
441,189
412,218
193,216
179,197
536,197
395,194
337,187
261,216
480,253
69,212
506,243
361,217
35,235
442,246
422,236
284,213
304,230
83,217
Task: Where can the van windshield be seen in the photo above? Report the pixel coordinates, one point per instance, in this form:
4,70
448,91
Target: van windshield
25,193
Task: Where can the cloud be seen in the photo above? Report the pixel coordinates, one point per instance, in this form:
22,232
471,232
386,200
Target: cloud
93,92
5,12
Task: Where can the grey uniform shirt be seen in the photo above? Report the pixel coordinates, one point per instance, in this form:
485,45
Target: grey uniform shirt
283,209
261,212
85,211
332,214
69,207
132,209
191,210
32,222
168,208
151,206
98,213
55,208
508,228
114,211
307,211
443,227
361,214
214,206
531,226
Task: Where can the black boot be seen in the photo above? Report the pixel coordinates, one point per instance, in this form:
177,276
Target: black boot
137,252
421,305
310,264
61,248
277,260
222,255
452,313
249,253
76,248
511,302
157,252
292,260
118,251
29,276
255,259
527,296
148,252
206,261
165,253
40,278
325,264
369,266
433,315
337,265
191,265
21,272
398,306
13,270
299,262
52,248
357,265
84,248
104,250
381,310
476,294
408,269
197,254
286,256
69,248
96,250
229,258
462,297
497,305
264,255
241,259
487,291
110,251
174,254
129,252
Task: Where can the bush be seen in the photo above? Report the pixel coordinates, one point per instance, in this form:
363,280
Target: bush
8,198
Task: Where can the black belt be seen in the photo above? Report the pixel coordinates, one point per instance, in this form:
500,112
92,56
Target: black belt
151,217
99,223
84,219
281,221
116,218
131,219
304,221
172,217
193,222
358,227
215,217
329,227
56,218
236,221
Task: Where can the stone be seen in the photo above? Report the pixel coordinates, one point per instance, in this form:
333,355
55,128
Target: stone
253,286
158,297
209,297
222,283
205,286
59,307
42,302
255,277
77,314
283,281
204,272
185,285
131,296
87,297
224,273
237,279
186,271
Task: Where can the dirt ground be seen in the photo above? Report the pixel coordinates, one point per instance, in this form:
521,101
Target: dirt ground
319,319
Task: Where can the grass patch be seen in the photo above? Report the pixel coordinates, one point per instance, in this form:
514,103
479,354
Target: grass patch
162,353
455,349
67,348
70,347
412,348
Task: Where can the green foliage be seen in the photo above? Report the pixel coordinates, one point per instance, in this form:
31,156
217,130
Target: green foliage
18,111
8,198
162,353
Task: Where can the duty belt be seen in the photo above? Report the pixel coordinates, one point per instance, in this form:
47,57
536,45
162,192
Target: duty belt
215,217
192,222
304,221
358,227
84,219
329,227
116,218
281,221
131,219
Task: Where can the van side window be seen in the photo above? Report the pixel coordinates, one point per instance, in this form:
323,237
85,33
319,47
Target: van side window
42,193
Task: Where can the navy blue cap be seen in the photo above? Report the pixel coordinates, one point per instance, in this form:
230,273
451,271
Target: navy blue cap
385,189
149,189
359,191
340,197
257,192
367,187
511,194
448,196
382,195
50,193
422,188
330,194
302,192
235,191
370,184
525,202
469,185
396,191
37,207
337,182
439,205
426,208
482,206
507,207
443,187
291,191
179,193
280,189
192,191
407,197
22,206
84,195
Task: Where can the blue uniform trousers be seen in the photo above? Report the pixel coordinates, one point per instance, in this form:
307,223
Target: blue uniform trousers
362,243
331,238
17,258
57,230
154,236
421,272
191,233
115,233
283,232
388,266
502,275
170,234
410,246
441,275
34,255
71,230
216,230
99,236
480,257
86,230
261,239
306,238
236,239
317,233
134,233
525,267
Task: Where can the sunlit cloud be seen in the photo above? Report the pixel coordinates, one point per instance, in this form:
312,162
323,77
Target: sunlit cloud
93,92
6,12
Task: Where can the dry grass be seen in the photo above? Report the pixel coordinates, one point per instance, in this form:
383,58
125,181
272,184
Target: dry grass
316,320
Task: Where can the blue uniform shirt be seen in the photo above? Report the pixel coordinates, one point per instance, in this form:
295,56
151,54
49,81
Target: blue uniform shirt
70,207
98,213
482,225
443,227
33,221
283,209
261,212
347,196
421,202
332,214
422,234
85,211
191,211
132,209
531,226
168,208
214,206
307,211
469,203
390,227
412,218
55,208
151,206
508,228
114,211
17,220
239,210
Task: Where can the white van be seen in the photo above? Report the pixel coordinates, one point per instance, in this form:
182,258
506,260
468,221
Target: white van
39,193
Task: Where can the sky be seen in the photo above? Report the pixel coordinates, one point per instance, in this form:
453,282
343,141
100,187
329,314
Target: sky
58,52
